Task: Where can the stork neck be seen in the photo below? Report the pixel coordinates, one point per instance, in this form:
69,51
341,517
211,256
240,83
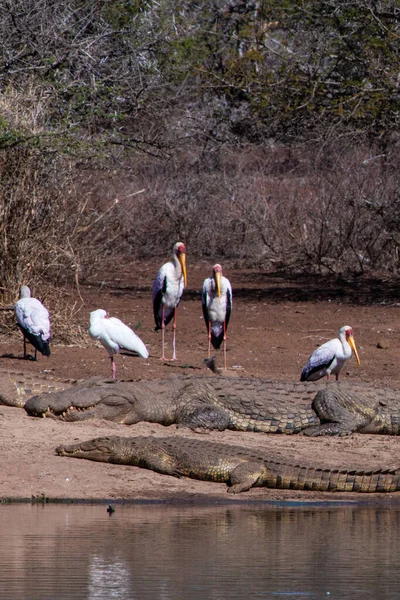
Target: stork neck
178,267
347,351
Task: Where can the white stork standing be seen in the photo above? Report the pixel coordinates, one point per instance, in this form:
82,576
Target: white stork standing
168,287
217,307
331,356
114,335
34,321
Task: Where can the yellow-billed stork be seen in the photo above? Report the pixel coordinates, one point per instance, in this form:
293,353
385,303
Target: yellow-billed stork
34,321
114,335
331,356
168,287
217,308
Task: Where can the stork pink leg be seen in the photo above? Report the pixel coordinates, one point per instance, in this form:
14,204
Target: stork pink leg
174,337
114,368
209,340
224,346
162,334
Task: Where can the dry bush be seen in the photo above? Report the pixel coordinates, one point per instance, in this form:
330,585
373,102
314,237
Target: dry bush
193,207
332,212
270,209
49,230
49,235
25,209
69,325
341,219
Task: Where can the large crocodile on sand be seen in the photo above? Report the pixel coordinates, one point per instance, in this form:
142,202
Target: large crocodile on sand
242,404
241,468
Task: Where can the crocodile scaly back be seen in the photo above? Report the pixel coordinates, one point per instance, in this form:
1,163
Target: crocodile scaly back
17,387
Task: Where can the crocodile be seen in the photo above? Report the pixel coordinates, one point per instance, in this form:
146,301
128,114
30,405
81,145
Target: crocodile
241,468
17,387
200,403
243,404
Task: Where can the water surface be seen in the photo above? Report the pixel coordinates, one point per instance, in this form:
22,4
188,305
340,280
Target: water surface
68,552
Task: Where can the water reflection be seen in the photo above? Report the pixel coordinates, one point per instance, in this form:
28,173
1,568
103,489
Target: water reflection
179,553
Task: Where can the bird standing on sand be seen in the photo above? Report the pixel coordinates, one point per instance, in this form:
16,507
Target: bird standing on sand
168,287
331,356
114,335
217,307
34,321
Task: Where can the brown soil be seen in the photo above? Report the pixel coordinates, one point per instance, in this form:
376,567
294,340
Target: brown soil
275,325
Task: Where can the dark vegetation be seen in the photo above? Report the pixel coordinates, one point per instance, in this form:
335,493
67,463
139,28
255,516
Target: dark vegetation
263,132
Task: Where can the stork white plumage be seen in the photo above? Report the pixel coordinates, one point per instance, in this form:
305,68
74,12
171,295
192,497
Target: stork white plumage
331,356
217,307
168,287
34,321
114,335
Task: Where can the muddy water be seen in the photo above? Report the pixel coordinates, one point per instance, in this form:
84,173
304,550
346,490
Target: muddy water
60,552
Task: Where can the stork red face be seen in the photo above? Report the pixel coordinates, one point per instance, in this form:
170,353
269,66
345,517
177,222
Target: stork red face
180,248
352,344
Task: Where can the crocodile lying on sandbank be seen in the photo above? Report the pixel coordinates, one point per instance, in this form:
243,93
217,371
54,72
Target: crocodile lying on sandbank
241,468
16,387
241,404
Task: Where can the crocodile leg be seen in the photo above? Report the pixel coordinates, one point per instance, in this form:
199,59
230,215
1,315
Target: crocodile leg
200,417
340,413
245,476
339,429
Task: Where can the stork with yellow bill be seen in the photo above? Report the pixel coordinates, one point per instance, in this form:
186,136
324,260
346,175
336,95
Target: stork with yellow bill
168,287
330,357
217,307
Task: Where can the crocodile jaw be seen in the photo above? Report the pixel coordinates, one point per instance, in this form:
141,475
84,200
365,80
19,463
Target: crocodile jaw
72,413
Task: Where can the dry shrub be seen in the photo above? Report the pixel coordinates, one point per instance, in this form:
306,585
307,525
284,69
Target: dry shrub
332,212
49,230
68,325
49,235
335,211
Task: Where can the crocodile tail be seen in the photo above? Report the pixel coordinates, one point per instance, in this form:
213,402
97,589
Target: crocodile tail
332,480
17,387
